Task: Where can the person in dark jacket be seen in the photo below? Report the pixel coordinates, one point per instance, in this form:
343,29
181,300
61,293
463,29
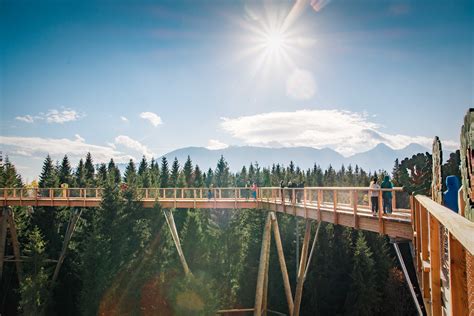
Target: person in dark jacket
387,195
450,196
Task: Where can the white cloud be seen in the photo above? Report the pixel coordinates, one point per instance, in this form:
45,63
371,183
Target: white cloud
300,85
58,147
123,118
79,138
52,116
66,115
214,144
344,131
134,145
26,118
152,117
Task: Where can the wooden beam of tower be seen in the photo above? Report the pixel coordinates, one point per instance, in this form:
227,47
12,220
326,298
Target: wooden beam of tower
174,234
265,283
3,238
259,292
16,246
301,270
67,237
281,259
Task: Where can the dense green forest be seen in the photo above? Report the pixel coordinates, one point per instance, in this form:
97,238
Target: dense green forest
122,261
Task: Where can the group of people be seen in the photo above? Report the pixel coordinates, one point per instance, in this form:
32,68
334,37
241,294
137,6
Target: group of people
374,191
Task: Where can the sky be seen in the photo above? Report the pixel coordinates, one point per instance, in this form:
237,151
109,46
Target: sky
123,79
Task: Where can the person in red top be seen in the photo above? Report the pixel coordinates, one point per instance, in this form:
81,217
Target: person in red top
254,191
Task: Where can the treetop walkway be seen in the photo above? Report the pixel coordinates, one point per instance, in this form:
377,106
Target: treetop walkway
347,206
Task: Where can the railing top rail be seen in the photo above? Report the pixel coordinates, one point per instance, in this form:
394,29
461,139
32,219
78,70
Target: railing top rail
460,227
222,188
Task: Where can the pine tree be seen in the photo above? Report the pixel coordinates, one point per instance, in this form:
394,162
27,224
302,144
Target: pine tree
164,175
144,173
65,171
198,178
48,175
9,178
130,174
89,171
221,175
154,173
188,173
113,172
80,180
174,173
362,299
102,175
34,288
209,177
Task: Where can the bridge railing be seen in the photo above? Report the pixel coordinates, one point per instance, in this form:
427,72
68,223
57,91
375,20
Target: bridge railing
444,249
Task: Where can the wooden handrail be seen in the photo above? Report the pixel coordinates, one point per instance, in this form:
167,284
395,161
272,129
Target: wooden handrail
460,227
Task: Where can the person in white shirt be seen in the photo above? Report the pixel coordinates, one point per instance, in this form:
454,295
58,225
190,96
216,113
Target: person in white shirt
374,195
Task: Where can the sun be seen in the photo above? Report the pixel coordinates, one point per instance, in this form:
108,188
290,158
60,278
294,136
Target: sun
274,42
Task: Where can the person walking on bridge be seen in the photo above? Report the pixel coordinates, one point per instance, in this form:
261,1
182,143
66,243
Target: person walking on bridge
374,195
387,195
254,191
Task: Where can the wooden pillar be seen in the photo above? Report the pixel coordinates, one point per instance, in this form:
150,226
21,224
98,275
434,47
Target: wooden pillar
394,200
174,234
457,277
281,259
320,200
334,198
381,228
259,292
355,199
417,207
67,237
425,277
3,238
16,245
301,270
435,262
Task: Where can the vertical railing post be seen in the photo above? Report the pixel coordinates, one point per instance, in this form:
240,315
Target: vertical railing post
457,277
425,279
354,208
304,203
394,200
320,200
381,210
435,260
334,200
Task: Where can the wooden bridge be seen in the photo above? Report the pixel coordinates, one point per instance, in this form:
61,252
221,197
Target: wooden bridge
443,240
347,206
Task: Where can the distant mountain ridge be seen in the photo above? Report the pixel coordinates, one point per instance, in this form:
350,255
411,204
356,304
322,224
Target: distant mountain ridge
379,157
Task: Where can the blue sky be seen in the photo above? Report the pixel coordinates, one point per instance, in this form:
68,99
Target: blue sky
123,79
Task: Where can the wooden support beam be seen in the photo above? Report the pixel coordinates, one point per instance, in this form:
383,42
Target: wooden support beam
425,277
302,268
174,234
16,245
259,292
3,238
334,199
457,277
435,262
381,211
355,200
265,283
281,259
67,237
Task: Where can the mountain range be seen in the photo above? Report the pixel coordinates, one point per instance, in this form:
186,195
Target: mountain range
379,157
